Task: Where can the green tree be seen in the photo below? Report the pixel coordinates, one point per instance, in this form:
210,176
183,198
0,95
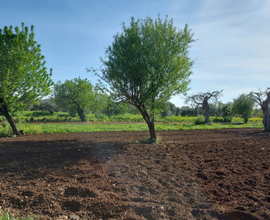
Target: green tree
188,111
48,105
227,112
243,106
109,106
99,102
169,109
23,75
76,93
202,99
147,64
71,110
122,108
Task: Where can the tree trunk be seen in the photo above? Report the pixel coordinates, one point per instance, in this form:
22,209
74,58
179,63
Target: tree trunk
245,120
266,118
206,112
266,121
4,111
81,114
152,130
149,122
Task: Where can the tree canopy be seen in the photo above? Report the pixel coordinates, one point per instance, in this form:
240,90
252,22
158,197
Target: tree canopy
243,106
23,76
202,99
77,94
147,64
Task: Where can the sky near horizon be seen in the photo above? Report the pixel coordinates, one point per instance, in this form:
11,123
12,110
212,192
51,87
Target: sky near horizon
231,52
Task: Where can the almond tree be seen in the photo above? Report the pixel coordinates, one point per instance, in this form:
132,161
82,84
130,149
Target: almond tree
243,106
147,64
23,76
262,98
202,100
76,93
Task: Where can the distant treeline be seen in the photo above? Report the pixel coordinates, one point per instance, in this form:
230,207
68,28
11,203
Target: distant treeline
170,109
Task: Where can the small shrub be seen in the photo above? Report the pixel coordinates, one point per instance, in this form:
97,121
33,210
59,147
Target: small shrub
199,121
43,119
218,119
38,114
227,119
63,115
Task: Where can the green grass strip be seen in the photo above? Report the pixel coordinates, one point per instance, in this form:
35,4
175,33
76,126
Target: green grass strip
66,128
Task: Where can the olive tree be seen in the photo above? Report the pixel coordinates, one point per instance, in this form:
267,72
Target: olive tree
262,98
48,105
243,106
147,64
23,76
76,94
202,100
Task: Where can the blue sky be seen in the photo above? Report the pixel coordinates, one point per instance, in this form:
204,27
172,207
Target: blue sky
232,50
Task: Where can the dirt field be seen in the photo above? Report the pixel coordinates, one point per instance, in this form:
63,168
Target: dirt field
202,174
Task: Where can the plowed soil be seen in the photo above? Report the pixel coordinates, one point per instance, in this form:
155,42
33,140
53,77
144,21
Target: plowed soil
198,174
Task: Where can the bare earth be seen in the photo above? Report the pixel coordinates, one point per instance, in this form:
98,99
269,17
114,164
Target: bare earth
199,174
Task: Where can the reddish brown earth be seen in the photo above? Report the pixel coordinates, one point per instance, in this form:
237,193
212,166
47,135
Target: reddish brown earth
199,174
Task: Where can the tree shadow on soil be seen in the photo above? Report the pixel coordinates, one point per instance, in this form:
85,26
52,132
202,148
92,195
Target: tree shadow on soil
261,133
18,157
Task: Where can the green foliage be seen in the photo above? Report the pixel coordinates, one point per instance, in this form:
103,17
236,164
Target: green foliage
218,119
202,99
5,215
98,102
188,111
74,92
48,105
147,64
99,127
177,119
243,106
39,116
149,60
77,94
4,123
227,112
109,106
71,109
199,121
170,109
23,75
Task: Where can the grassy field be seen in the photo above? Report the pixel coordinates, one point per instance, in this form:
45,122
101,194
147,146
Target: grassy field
39,116
169,123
